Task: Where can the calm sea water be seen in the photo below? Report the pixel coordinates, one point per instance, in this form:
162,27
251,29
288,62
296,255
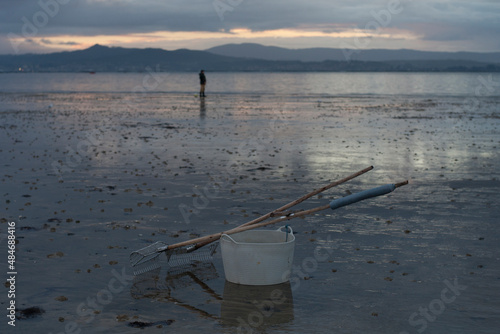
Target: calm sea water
95,166
330,84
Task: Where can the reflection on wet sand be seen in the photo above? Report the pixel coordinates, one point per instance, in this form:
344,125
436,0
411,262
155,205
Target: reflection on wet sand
244,307
92,177
249,307
203,109
172,287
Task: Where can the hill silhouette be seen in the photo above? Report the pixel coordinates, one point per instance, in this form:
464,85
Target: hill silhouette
258,51
100,58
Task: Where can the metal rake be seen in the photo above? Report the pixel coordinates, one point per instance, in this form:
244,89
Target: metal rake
148,258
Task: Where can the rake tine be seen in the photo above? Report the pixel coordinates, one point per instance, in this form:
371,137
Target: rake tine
145,267
185,256
147,254
148,258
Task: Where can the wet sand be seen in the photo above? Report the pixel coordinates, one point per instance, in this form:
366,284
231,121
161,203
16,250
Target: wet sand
88,178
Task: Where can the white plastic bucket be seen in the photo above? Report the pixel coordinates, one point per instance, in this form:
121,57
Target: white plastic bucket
258,257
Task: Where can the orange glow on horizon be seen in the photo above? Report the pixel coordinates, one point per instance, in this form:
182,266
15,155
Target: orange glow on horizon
164,38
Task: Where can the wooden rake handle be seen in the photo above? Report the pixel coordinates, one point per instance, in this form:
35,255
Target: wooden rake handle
278,211
307,196
216,236
382,190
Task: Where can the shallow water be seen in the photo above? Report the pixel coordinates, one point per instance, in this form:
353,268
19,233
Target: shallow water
89,177
153,81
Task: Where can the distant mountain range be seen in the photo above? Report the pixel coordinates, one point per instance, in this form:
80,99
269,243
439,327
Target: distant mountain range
257,51
249,57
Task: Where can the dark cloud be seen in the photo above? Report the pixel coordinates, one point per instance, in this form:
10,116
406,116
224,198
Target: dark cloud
434,20
106,17
49,42
8,46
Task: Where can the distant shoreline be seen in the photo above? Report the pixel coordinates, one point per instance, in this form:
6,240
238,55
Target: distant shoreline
115,60
496,69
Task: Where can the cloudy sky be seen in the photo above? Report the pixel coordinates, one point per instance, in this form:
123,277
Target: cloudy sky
439,25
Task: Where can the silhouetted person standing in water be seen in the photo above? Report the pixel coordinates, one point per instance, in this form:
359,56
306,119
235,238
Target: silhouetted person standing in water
203,82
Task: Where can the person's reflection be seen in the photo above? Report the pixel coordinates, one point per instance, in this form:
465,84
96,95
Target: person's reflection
203,110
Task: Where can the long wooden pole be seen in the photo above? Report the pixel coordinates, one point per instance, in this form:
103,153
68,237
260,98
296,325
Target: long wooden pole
200,244
216,236
303,213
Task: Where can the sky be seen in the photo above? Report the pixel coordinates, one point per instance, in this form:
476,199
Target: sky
43,26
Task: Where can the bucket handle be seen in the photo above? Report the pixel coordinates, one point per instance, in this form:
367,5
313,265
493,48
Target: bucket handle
228,238
287,231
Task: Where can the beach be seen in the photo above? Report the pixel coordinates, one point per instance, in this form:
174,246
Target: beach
88,177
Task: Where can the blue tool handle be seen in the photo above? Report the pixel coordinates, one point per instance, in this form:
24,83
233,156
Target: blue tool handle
350,199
